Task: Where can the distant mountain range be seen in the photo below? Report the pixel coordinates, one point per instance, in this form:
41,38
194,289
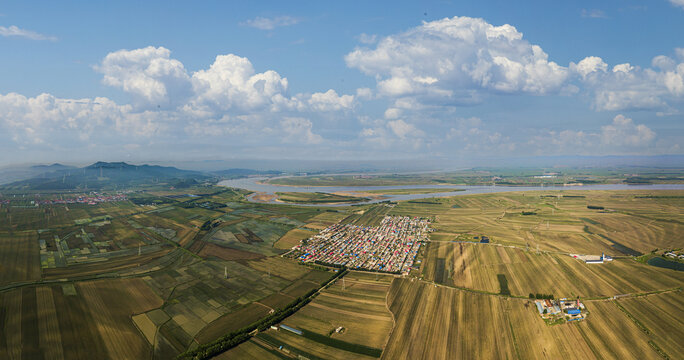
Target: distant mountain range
109,175
16,173
105,175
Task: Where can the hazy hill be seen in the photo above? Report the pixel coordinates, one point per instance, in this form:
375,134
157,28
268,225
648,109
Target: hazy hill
108,175
16,173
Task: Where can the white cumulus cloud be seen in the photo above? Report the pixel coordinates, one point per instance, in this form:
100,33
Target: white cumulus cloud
330,101
264,23
150,74
15,31
623,132
449,59
679,3
299,130
622,135
231,83
628,87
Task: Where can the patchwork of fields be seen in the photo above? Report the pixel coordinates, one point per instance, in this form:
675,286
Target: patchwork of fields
83,321
355,305
155,278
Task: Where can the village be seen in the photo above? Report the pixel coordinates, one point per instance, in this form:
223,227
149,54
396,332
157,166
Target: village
390,247
93,198
560,311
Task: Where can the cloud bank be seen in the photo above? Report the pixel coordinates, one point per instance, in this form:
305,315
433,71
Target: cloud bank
423,77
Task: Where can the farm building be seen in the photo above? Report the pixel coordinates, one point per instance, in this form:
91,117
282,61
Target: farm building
290,329
563,309
600,260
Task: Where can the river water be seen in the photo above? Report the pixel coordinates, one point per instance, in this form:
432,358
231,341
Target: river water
252,184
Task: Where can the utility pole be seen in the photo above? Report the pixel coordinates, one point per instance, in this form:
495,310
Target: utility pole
225,272
139,249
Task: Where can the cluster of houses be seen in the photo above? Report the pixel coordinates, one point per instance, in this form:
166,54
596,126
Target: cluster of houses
674,255
92,199
390,247
593,259
570,310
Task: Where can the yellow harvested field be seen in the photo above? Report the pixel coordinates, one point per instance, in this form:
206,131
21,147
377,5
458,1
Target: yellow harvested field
634,220
316,226
111,303
249,350
476,266
357,305
436,322
19,257
293,237
329,217
50,336
146,326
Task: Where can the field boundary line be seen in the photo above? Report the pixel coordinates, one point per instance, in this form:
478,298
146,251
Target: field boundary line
637,295
394,320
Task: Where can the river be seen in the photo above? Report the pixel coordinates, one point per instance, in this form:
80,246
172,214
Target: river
252,184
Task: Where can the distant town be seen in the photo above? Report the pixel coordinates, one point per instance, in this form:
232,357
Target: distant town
89,199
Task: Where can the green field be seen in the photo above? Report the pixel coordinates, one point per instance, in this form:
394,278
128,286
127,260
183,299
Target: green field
317,198
413,191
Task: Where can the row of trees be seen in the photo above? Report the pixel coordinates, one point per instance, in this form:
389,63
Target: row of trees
235,338
541,296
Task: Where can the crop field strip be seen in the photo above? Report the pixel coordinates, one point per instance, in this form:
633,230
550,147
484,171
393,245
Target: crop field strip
658,313
476,266
609,334
357,304
19,259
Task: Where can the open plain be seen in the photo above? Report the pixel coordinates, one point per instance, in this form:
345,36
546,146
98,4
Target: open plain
166,274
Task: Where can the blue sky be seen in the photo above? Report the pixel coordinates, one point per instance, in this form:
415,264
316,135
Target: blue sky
144,81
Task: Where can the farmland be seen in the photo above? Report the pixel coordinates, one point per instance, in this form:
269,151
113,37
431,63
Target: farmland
502,176
174,270
476,266
495,327
93,321
347,320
